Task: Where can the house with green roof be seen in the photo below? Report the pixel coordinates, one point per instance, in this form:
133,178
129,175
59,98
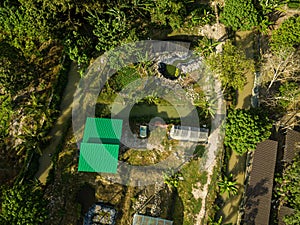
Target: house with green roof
99,149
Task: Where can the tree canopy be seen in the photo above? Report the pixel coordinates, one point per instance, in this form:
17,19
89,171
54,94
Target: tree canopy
231,65
246,128
240,15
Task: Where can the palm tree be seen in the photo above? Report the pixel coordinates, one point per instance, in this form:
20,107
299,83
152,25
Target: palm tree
228,185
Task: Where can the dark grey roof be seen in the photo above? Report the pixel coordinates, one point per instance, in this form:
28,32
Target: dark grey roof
259,191
292,146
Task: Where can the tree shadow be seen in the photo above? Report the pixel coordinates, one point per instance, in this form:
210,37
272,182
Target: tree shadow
86,197
253,194
176,209
239,166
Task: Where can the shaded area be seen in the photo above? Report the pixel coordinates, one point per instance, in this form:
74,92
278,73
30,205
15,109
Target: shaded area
61,126
86,197
230,205
253,201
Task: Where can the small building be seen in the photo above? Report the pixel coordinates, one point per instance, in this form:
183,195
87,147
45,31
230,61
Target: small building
100,214
258,193
185,133
292,146
99,149
148,220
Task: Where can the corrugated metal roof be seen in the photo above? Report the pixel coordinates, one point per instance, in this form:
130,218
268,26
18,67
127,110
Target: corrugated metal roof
102,130
98,158
147,220
291,145
99,149
259,191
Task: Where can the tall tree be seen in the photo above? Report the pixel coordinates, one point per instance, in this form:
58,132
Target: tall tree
231,65
168,12
280,65
24,28
111,28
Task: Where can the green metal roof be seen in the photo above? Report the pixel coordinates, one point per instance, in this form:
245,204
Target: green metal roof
102,130
99,148
98,158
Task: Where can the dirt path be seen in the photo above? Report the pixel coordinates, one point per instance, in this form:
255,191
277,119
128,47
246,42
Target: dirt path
237,163
236,167
61,124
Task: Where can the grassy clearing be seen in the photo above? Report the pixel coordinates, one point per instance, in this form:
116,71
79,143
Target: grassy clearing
186,202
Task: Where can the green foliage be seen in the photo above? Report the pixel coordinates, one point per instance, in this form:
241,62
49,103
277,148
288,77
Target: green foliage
289,190
172,179
112,28
246,128
5,114
201,16
231,65
270,6
288,93
228,185
294,5
199,151
206,46
122,78
287,35
240,15
78,47
23,204
168,12
15,71
215,222
24,28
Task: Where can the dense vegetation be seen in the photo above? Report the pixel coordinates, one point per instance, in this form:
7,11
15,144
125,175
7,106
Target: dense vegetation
240,15
23,204
246,128
289,191
287,35
39,38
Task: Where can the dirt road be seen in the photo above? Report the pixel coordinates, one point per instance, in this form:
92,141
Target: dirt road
60,126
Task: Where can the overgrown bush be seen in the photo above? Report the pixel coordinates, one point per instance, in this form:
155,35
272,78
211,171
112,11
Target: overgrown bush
246,128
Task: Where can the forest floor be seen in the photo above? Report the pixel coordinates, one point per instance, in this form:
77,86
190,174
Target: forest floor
45,162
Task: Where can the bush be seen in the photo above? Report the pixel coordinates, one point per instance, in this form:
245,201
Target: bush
287,35
240,15
246,128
